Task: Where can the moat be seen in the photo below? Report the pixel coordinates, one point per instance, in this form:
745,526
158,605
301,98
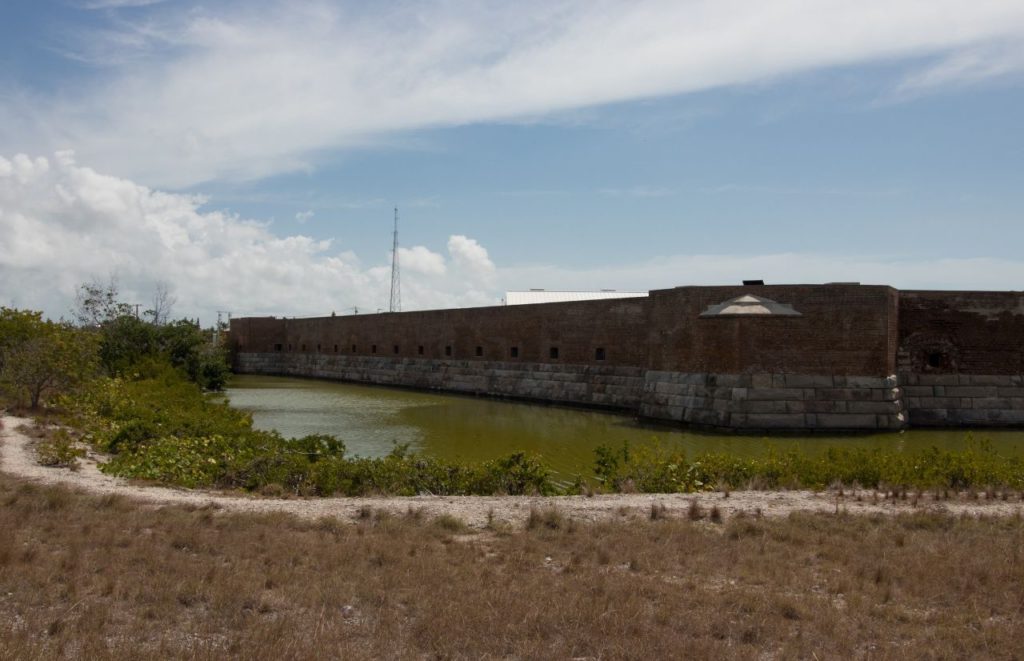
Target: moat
371,419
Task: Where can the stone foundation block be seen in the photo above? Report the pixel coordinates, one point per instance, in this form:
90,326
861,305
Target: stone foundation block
873,407
971,391
847,421
775,420
808,381
774,393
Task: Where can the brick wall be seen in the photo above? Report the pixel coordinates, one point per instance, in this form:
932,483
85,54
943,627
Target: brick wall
961,357
829,367
843,330
576,331
945,332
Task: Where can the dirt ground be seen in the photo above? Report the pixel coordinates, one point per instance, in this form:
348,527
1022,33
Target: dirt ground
17,458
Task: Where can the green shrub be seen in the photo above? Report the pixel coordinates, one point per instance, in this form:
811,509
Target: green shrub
975,465
161,427
59,449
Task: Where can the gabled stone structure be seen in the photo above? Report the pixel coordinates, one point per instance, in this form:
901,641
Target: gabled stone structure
749,305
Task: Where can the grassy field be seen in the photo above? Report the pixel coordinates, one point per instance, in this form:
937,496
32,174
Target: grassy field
102,577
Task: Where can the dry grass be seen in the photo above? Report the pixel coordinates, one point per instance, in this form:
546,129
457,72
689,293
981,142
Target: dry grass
92,577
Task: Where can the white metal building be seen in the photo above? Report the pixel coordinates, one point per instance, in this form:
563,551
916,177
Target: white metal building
545,296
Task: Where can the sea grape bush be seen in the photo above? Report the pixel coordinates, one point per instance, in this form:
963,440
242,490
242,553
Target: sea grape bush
161,427
657,470
158,425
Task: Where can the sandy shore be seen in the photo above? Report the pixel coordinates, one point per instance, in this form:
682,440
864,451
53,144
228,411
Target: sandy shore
18,458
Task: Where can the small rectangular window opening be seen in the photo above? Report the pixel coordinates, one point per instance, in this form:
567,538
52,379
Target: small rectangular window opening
318,348
419,349
553,353
335,348
514,352
448,350
396,348
479,351
303,346
278,347
373,348
353,348
599,353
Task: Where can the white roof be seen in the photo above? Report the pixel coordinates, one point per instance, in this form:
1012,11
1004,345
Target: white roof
545,296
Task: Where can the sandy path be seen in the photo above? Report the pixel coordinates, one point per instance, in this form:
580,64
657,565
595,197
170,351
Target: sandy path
18,458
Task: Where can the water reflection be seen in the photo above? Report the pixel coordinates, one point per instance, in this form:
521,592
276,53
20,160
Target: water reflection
372,419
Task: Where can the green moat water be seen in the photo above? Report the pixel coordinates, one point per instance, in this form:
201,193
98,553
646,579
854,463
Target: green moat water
371,419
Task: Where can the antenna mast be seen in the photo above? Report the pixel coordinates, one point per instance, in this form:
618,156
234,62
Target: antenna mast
396,281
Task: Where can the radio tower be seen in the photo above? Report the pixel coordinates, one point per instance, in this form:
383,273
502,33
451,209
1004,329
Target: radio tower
396,278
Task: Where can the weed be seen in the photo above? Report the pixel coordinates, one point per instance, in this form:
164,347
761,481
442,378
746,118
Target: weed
113,585
57,448
450,523
550,518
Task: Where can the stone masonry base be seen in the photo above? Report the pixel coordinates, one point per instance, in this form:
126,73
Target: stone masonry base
747,402
962,400
774,401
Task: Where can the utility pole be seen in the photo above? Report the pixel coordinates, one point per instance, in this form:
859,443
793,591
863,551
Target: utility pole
396,284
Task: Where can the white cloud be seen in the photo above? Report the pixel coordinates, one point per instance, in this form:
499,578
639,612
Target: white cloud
471,256
968,66
303,216
63,224
243,90
421,260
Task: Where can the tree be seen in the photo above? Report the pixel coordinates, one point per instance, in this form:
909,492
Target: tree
163,304
16,327
130,346
124,341
190,348
97,303
39,358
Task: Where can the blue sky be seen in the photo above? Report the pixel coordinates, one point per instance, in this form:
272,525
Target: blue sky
249,154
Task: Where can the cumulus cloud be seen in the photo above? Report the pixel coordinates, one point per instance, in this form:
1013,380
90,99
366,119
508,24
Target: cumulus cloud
245,90
421,260
303,216
64,224
471,256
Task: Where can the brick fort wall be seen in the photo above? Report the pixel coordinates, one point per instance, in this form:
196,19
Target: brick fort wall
854,357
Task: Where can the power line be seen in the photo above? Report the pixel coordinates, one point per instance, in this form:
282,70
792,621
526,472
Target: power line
396,283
